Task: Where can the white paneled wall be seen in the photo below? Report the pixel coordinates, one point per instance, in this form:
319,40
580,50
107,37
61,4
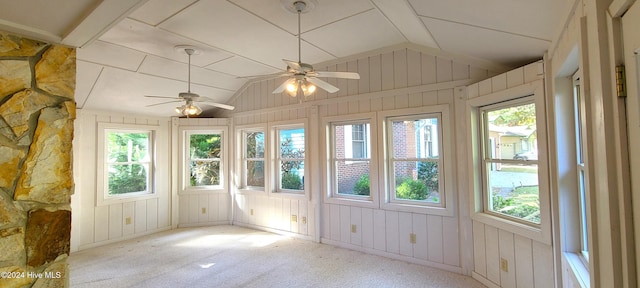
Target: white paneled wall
202,207
393,79
95,224
530,263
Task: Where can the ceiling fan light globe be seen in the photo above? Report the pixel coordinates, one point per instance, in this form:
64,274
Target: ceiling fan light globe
308,89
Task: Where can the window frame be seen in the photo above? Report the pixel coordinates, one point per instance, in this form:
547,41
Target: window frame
446,180
274,159
102,197
184,159
522,101
535,89
582,167
240,159
328,154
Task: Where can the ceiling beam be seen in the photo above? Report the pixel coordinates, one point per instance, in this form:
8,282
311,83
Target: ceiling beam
401,15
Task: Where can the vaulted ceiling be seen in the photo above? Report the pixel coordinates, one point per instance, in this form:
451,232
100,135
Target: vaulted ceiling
126,47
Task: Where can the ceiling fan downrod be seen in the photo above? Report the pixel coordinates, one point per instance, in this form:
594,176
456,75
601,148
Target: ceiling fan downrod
299,5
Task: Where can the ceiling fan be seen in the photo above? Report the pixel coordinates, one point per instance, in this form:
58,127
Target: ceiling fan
303,79
189,108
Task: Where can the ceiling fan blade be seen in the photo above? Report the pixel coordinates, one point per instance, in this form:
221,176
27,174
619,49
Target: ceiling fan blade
264,76
223,106
211,102
282,86
294,65
162,103
345,75
163,97
322,84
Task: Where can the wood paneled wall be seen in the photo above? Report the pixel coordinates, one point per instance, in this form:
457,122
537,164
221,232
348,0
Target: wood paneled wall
203,207
530,263
394,79
95,224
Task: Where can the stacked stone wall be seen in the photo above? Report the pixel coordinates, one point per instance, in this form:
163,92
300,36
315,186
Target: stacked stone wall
37,110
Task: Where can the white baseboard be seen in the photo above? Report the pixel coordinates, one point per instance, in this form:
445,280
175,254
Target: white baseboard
123,238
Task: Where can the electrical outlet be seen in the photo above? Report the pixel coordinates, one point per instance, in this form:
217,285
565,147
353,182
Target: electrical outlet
251,211
204,210
294,218
304,220
127,221
412,238
354,229
504,265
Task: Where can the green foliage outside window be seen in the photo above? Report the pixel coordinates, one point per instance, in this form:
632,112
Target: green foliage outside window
289,168
127,155
362,186
523,203
205,154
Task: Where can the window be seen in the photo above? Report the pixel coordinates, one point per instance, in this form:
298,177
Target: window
290,158
415,165
128,161
510,174
581,128
350,159
203,161
253,168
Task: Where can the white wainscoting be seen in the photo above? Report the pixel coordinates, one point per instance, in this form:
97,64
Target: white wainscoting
93,224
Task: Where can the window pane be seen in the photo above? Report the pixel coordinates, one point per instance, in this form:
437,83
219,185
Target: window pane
292,143
205,173
352,177
127,178
583,213
255,173
204,146
415,138
513,190
292,175
254,144
417,180
511,133
127,147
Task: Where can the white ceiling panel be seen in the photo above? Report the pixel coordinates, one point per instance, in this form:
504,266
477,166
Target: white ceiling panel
325,12
127,90
165,68
85,80
155,11
142,37
239,66
485,44
363,32
538,19
111,55
228,27
68,13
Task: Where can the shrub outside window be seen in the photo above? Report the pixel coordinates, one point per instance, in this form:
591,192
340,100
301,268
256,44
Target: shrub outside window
415,165
204,159
253,168
290,159
510,160
350,159
128,162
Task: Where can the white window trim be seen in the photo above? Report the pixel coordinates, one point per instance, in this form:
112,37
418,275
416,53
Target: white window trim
273,144
184,188
542,232
447,161
102,199
240,177
327,174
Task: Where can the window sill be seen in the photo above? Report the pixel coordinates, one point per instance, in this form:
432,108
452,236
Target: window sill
535,233
420,209
203,191
365,202
256,190
577,268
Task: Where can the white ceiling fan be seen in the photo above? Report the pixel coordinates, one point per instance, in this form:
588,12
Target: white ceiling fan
303,79
189,108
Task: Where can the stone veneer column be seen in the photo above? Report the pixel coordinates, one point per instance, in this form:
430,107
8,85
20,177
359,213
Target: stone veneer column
37,109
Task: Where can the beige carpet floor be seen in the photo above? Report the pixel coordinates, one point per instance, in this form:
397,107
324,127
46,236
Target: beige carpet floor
231,256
